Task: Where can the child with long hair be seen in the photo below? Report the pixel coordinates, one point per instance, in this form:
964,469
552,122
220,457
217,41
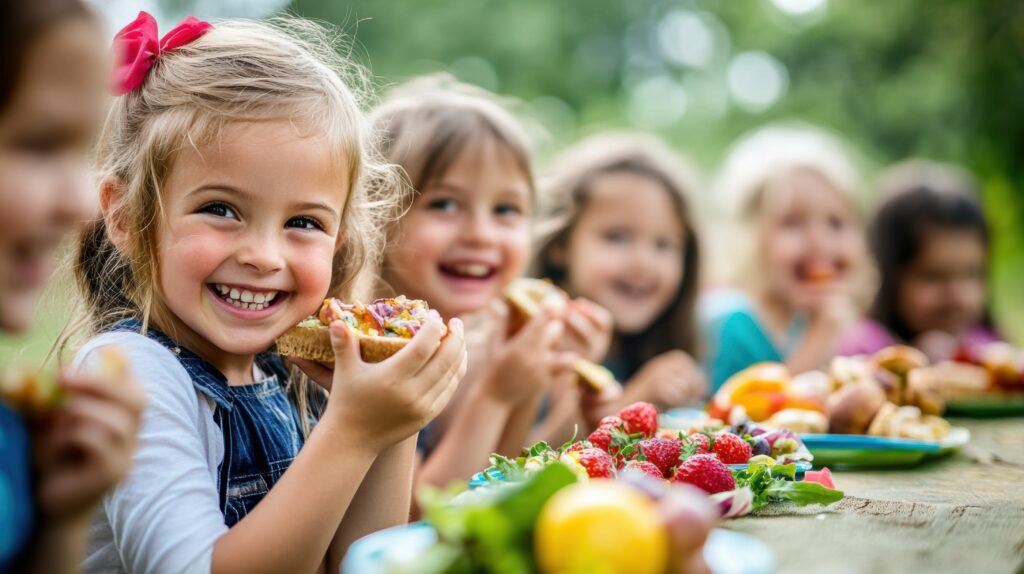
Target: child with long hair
54,467
793,252
235,168
462,239
618,228
930,241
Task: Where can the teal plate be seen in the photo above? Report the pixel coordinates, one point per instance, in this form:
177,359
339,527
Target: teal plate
987,406
880,452
481,479
726,552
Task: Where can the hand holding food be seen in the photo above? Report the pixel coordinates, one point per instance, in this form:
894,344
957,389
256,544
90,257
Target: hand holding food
391,400
669,380
84,445
528,298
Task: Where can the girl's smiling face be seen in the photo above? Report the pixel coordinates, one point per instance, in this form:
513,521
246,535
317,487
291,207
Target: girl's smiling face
252,223
811,244
626,250
45,130
466,235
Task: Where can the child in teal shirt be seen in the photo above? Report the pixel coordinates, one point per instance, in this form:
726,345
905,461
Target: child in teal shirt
795,248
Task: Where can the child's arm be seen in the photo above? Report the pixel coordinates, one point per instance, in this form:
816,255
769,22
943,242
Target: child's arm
820,343
383,500
371,408
517,371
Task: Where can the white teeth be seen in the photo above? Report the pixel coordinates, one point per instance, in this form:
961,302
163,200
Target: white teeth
472,269
246,299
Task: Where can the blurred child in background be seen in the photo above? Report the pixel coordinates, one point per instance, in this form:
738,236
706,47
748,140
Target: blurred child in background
618,228
794,252
234,169
464,237
52,97
930,240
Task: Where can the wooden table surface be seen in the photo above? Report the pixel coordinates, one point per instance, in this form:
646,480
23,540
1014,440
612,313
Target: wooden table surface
962,514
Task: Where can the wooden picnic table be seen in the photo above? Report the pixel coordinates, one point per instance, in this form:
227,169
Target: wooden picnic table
962,514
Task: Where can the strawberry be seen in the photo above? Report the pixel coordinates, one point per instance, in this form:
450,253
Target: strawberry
576,447
701,442
602,439
597,462
663,452
731,449
640,417
705,472
645,467
612,421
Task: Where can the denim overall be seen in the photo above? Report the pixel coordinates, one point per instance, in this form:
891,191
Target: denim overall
261,425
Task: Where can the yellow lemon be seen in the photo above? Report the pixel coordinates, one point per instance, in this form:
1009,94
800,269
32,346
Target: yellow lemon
601,526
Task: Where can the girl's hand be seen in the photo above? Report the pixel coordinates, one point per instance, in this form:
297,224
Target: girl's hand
523,366
669,380
588,329
387,402
86,446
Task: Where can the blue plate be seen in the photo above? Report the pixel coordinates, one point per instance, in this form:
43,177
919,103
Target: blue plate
726,552
876,451
480,479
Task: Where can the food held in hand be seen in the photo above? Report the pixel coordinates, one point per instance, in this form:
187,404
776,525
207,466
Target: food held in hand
30,392
526,298
382,328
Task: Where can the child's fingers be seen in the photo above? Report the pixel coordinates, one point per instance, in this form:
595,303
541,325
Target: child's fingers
123,391
440,401
422,347
531,332
87,412
446,359
550,334
345,344
597,315
448,381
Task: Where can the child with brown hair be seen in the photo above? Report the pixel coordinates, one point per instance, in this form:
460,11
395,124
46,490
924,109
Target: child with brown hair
459,243
618,228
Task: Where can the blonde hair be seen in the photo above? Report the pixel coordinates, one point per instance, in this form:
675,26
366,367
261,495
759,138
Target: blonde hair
284,69
749,176
566,190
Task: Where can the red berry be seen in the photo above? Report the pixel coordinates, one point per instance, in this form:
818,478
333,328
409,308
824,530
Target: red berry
576,447
602,439
732,449
702,441
640,418
705,472
663,452
645,467
612,421
597,462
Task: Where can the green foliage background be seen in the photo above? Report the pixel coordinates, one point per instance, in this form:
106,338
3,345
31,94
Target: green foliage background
942,79
936,78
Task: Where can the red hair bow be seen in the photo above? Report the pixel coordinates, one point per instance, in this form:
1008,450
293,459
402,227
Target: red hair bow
136,48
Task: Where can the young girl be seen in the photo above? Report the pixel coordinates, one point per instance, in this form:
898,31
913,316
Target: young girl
795,252
463,238
930,241
51,102
234,171
618,229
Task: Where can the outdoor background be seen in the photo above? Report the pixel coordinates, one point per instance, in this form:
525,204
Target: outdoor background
942,79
